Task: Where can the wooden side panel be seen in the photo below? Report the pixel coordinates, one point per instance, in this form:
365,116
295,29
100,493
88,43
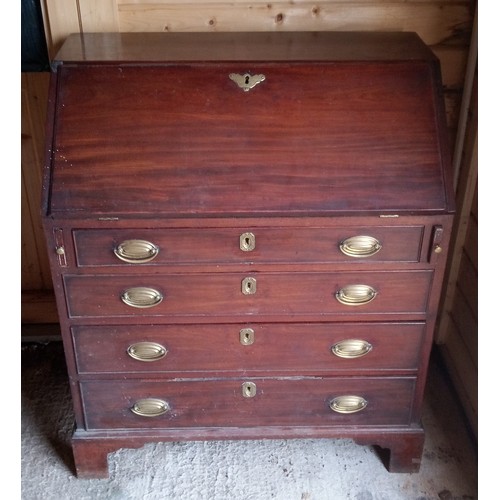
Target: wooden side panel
36,284
457,333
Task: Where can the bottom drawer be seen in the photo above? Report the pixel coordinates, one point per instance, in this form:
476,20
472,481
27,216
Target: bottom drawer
249,402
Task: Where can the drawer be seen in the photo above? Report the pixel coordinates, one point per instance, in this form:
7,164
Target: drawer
247,402
236,294
225,349
248,244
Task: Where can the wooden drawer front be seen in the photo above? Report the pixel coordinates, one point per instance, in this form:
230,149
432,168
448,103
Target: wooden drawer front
247,244
276,294
222,402
301,348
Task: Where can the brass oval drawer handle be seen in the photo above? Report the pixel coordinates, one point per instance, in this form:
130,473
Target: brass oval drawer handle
360,246
348,404
150,407
141,297
351,348
355,295
146,351
136,251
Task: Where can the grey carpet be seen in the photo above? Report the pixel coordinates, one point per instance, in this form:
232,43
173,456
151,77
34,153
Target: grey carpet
234,470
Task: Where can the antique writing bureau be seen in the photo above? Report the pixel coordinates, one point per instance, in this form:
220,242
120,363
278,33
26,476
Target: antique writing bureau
248,234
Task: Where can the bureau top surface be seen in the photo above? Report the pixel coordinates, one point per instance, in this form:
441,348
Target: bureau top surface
158,124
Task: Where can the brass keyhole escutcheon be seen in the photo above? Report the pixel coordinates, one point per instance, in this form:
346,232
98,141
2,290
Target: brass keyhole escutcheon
248,389
246,81
247,242
247,336
249,286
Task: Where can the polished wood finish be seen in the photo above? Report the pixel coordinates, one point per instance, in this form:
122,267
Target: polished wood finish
276,348
272,245
217,295
149,139
243,46
256,165
208,403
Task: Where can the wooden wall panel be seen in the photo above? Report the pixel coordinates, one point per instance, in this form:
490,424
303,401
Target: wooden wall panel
60,17
435,21
99,15
35,272
457,332
37,299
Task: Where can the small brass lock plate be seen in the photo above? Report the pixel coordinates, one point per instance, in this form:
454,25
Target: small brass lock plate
247,336
247,242
249,286
248,389
246,81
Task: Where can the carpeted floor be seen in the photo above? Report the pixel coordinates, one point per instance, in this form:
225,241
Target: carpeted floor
234,470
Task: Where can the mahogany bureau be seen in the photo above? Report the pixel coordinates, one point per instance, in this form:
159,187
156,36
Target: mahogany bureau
248,234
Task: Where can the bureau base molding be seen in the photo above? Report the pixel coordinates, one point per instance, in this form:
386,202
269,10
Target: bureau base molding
400,450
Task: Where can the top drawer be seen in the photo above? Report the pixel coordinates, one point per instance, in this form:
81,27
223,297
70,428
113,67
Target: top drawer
101,247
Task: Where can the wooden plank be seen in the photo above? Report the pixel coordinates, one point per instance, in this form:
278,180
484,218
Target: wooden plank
61,17
38,307
452,101
228,3
466,192
467,283
435,22
471,242
30,276
35,264
465,325
48,332
475,206
464,377
98,16
453,60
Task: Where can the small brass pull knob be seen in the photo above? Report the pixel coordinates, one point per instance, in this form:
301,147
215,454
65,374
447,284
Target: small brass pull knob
247,242
355,295
60,250
438,249
141,297
248,389
351,348
249,286
146,351
348,404
136,251
360,246
150,407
